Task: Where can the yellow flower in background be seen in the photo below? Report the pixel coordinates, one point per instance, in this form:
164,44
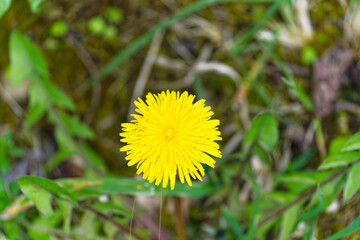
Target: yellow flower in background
171,135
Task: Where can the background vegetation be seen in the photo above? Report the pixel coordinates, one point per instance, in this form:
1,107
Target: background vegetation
282,76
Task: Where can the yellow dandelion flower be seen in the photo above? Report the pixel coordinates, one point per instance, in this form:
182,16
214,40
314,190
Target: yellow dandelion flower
171,135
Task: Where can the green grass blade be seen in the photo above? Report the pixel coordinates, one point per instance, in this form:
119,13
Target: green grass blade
252,230
233,223
4,6
292,83
240,44
48,185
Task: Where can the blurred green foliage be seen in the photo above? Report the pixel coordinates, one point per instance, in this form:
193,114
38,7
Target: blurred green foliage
59,28
114,15
97,25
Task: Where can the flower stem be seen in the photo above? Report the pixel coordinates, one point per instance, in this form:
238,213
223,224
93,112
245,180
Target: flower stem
180,219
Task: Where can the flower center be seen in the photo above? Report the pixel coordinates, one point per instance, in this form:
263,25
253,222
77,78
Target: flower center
169,134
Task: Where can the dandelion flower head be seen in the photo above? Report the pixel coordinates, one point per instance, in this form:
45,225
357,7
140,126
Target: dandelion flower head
171,136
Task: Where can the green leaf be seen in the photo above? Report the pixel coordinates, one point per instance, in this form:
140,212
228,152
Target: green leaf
303,97
308,178
75,127
48,185
65,142
40,228
38,102
134,187
355,225
20,61
299,181
35,5
353,143
40,197
87,225
57,96
339,160
66,210
12,150
14,189
25,59
35,233
37,95
311,213
264,131
233,223
111,208
12,229
293,84
328,192
337,144
110,230
4,199
35,113
258,151
93,157
352,183
256,210
4,158
280,196
288,221
4,6
7,149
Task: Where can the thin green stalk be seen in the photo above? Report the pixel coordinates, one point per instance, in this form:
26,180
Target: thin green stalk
240,43
256,188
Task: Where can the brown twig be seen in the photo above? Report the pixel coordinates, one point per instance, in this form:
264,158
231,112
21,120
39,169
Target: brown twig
109,219
304,195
